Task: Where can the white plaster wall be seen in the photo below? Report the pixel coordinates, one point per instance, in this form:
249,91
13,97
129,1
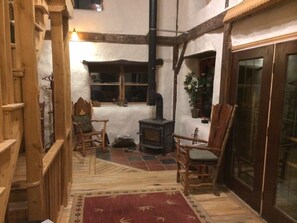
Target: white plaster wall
120,17
123,120
125,17
232,3
45,69
90,51
282,20
131,17
193,12
184,123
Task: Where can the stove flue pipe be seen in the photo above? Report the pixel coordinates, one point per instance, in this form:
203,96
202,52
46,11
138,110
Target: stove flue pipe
152,52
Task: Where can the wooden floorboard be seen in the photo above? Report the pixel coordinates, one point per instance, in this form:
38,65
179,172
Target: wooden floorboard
93,174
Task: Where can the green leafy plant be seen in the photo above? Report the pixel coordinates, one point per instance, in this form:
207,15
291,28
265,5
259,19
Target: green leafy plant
196,86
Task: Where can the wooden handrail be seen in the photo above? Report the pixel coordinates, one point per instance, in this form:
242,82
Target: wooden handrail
12,107
2,190
68,130
23,185
51,154
6,145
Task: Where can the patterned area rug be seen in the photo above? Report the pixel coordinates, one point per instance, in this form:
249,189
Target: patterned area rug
148,206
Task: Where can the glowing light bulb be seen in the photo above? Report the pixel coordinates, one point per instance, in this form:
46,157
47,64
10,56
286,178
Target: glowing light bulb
74,35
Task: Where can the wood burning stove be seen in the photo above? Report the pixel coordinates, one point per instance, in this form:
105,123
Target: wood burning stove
156,135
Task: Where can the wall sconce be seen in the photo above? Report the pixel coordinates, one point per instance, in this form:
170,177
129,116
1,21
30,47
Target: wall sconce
74,35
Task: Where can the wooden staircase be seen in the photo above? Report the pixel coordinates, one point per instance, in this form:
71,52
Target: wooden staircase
23,26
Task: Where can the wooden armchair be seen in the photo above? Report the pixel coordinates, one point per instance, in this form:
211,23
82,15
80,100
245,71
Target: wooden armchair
86,136
199,164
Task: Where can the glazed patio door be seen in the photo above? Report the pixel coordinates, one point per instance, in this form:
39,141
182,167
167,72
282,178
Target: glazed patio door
262,152
250,90
280,188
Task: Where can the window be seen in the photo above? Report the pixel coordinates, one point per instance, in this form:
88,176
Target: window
118,81
206,70
96,5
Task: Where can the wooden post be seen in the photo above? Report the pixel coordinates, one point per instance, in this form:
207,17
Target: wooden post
5,61
122,85
177,68
26,28
68,104
1,72
226,60
60,90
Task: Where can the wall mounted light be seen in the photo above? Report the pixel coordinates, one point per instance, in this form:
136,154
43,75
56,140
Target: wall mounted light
74,35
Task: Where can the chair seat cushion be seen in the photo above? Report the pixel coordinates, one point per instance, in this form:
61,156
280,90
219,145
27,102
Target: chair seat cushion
202,155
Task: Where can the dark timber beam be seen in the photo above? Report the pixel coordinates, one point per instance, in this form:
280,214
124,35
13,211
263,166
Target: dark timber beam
119,38
177,65
226,63
208,26
205,27
226,3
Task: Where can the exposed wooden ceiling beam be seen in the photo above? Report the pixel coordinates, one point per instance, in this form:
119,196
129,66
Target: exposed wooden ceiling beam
119,38
208,26
205,27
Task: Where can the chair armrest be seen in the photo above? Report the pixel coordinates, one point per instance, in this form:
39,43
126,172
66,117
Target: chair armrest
103,120
202,147
189,138
77,124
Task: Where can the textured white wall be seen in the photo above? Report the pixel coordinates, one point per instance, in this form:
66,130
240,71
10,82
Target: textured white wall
125,17
211,41
45,69
193,12
129,17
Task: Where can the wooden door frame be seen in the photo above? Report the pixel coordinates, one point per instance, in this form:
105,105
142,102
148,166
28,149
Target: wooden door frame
243,191
270,212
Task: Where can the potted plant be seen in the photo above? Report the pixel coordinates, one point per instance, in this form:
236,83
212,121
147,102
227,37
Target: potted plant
197,86
191,85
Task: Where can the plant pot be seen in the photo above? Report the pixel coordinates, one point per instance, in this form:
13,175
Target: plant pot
196,112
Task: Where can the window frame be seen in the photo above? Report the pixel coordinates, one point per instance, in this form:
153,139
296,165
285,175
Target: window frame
121,67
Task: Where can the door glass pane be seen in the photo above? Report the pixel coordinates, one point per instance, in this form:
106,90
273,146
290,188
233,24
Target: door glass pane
246,122
286,198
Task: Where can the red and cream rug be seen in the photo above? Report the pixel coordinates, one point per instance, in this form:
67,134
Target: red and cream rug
141,206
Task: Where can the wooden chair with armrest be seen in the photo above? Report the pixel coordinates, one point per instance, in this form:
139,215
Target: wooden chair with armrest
87,137
199,164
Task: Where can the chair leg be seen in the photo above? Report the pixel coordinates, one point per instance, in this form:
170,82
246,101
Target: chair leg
103,142
186,183
186,187
216,190
178,173
83,148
